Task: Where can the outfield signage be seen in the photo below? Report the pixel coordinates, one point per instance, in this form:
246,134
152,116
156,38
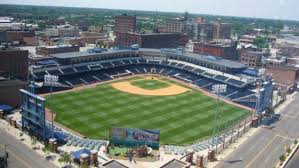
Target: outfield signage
134,137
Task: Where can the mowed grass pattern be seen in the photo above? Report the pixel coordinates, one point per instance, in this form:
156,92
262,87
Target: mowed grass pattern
182,119
150,84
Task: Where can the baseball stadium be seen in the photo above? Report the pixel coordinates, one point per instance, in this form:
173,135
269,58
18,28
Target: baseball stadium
167,90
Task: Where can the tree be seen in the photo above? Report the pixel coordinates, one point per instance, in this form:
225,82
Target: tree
282,158
288,150
261,42
65,158
296,141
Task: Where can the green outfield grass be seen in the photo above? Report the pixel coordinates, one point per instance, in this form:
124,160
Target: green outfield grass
182,119
150,84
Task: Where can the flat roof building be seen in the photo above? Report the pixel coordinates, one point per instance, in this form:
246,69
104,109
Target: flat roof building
223,50
150,40
48,50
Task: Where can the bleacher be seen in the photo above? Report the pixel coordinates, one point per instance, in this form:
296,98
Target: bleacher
95,67
235,82
104,71
82,68
221,78
55,72
68,70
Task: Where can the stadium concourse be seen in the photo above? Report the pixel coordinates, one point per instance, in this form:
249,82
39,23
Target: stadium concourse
202,72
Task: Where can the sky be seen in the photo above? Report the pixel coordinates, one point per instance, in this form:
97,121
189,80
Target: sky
275,9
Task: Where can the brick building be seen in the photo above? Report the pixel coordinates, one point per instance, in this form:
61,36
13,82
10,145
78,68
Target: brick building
74,41
150,40
32,41
9,91
14,63
92,37
250,58
46,51
176,25
63,31
284,75
223,50
125,23
12,36
203,32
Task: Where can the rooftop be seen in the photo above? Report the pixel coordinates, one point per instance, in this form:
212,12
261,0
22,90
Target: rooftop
174,164
114,164
203,58
84,54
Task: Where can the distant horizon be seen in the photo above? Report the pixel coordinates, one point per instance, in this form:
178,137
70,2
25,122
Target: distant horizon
155,11
277,10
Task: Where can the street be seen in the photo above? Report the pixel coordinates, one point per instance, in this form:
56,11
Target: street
20,155
262,150
294,162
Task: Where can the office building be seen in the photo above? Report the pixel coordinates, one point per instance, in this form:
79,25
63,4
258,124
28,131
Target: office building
250,58
125,24
222,30
14,63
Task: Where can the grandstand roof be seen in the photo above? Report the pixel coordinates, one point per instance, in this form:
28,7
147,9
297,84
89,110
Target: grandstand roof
114,164
202,58
84,54
78,153
174,163
217,60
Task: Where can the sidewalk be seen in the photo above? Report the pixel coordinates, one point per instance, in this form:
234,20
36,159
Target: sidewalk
231,148
26,139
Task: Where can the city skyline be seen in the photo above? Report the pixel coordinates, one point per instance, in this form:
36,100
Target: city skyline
278,9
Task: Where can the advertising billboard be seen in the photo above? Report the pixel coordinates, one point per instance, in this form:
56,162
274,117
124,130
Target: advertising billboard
133,137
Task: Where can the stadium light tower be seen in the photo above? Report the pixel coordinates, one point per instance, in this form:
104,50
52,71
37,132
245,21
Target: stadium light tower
217,89
51,80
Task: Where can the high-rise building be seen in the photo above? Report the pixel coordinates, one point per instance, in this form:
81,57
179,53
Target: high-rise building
222,30
14,63
203,32
125,24
176,25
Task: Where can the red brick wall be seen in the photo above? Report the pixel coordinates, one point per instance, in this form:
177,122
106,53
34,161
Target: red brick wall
283,76
14,62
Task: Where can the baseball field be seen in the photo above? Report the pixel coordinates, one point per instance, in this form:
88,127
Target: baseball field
183,115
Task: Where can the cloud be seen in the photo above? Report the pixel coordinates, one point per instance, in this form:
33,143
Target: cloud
282,2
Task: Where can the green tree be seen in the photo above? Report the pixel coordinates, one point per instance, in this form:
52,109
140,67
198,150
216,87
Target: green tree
261,42
282,158
65,158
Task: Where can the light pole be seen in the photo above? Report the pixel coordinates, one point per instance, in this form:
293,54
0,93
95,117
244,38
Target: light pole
217,89
51,80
